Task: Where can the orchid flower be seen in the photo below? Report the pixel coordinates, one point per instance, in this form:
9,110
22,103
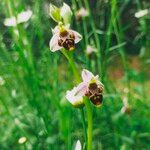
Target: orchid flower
63,37
21,17
90,87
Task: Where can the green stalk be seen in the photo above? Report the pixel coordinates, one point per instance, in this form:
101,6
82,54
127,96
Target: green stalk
28,63
85,31
119,34
95,35
69,57
84,125
90,123
87,135
143,26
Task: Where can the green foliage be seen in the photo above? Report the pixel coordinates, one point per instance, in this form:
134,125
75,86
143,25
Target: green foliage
34,80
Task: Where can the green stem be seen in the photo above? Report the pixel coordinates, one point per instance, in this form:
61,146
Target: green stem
69,57
90,123
95,36
88,135
84,125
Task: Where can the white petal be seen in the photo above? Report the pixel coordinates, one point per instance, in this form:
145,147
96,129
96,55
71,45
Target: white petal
54,43
87,76
65,10
141,13
55,30
10,22
22,140
24,16
75,96
78,37
78,146
66,13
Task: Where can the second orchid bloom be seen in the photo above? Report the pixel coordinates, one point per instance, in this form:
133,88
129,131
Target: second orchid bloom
90,87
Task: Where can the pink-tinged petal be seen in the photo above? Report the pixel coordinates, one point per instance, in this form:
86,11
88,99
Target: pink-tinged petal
75,96
24,16
55,30
78,37
54,43
87,76
10,22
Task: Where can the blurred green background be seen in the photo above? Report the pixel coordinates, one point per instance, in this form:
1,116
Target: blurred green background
34,113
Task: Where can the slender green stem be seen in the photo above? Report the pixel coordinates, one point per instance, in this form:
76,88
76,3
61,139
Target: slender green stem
95,36
118,32
84,125
88,135
69,57
90,123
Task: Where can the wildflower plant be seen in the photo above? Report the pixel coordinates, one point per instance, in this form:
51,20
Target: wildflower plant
63,36
90,88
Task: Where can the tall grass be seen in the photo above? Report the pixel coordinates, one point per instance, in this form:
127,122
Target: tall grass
34,80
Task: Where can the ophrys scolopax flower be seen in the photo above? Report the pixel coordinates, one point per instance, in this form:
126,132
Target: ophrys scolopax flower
63,37
90,87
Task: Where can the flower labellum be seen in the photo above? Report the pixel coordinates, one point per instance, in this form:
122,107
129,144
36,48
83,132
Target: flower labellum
95,94
91,87
95,87
64,38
